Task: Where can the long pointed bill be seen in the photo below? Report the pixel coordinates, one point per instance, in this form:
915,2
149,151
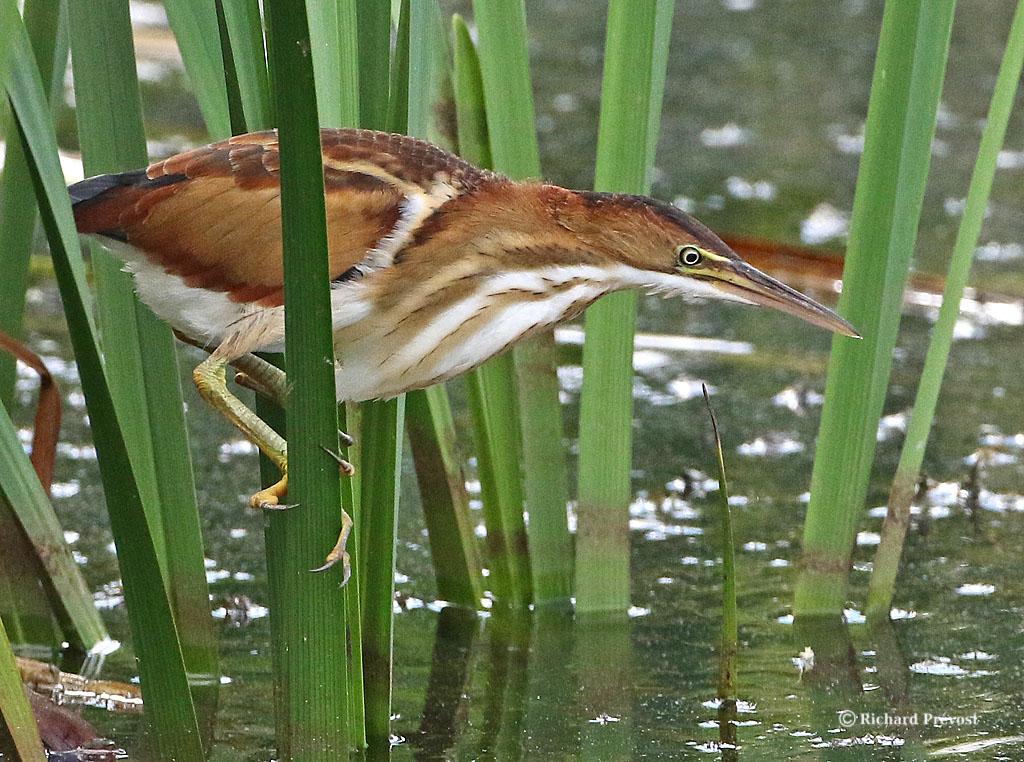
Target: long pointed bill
752,285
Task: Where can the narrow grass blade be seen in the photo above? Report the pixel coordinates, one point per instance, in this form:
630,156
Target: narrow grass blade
139,349
431,430
470,113
332,31
491,388
349,420
15,709
372,69
505,68
429,422
309,620
175,732
243,27
382,424
7,36
351,65
887,556
28,618
69,596
109,115
492,402
47,29
505,71
430,64
373,19
636,52
729,642
194,23
398,94
909,69
233,93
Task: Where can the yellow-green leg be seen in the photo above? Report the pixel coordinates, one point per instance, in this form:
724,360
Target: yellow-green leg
262,377
209,377
271,382
210,380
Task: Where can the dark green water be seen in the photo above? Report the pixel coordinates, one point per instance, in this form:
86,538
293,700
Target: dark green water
764,103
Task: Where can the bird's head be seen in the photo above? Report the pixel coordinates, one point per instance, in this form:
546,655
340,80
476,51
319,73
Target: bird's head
680,255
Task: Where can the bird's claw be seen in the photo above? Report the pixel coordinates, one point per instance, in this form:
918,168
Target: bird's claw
269,499
338,552
346,468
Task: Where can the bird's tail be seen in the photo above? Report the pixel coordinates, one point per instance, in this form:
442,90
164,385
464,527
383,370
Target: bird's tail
99,202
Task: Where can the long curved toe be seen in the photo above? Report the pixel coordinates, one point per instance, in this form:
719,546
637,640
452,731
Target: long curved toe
270,499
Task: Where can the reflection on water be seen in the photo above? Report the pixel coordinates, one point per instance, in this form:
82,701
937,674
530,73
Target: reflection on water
761,135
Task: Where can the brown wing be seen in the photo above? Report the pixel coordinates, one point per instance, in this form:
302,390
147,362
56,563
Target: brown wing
213,215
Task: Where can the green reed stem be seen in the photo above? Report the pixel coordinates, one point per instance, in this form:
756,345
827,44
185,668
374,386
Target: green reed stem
70,598
505,68
429,420
349,421
636,52
139,348
453,544
909,69
398,87
470,112
887,556
352,63
410,110
15,711
901,123
309,620
194,23
8,34
332,30
30,618
47,29
492,402
381,425
491,388
243,29
169,710
373,19
233,93
381,437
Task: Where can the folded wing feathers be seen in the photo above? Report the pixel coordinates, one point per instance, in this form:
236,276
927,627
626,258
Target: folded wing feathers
381,188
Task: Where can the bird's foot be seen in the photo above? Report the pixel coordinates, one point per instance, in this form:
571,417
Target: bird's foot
338,552
269,499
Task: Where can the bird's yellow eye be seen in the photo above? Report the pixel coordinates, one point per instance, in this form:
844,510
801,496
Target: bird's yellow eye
689,256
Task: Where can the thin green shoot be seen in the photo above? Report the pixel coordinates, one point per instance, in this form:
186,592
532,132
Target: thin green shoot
729,642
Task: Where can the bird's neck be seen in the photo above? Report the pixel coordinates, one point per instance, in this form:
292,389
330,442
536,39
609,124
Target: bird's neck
525,238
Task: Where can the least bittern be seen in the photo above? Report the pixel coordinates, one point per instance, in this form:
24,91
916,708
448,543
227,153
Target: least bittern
437,265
